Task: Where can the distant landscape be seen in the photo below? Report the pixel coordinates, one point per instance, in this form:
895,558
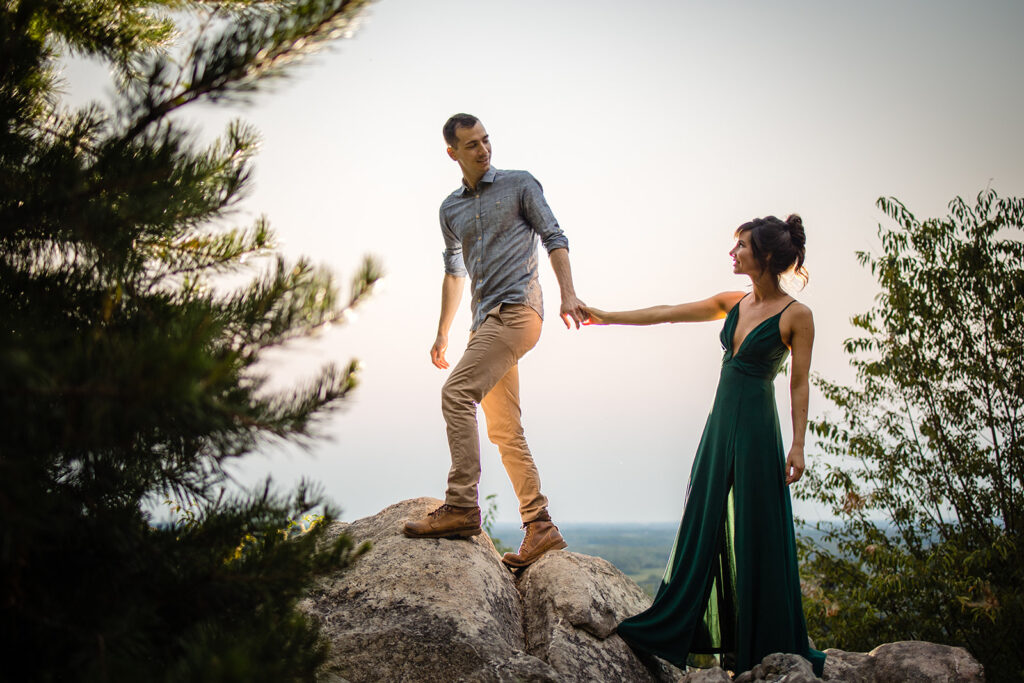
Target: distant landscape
640,551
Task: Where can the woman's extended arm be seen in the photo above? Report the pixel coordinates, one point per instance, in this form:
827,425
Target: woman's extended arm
712,308
801,340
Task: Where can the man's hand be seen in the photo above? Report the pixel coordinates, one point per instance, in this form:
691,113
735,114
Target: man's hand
451,292
572,308
437,351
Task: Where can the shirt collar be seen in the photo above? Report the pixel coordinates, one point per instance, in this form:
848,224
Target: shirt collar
487,177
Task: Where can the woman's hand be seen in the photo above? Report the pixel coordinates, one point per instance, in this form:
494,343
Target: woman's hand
594,316
794,464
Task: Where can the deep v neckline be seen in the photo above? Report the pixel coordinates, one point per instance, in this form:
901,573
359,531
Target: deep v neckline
734,350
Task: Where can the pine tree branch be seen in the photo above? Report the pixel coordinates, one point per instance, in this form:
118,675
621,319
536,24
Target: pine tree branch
255,47
117,30
200,254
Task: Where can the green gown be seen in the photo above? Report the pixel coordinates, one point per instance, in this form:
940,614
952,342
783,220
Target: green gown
731,585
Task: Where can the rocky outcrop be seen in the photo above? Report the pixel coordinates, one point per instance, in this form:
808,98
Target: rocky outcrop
572,604
448,610
425,610
908,661
780,667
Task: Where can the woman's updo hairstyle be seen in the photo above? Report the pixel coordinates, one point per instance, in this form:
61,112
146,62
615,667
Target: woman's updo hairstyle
778,246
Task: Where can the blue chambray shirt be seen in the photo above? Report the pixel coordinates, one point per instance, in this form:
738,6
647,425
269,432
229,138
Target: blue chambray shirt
491,234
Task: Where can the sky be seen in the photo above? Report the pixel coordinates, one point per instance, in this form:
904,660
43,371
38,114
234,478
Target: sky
655,127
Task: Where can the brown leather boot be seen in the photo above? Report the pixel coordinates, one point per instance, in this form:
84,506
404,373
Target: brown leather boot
541,536
446,521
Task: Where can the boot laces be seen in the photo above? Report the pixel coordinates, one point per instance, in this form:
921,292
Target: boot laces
530,531
439,511
529,525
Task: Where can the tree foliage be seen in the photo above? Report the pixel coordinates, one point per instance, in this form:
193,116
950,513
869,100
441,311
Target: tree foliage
925,466
130,371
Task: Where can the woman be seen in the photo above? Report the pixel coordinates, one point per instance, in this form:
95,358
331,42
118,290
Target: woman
731,587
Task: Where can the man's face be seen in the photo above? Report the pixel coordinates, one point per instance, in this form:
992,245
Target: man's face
473,151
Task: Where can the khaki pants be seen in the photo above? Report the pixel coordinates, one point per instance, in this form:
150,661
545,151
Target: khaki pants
488,374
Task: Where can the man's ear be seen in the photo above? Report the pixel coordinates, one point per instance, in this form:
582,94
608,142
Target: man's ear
451,153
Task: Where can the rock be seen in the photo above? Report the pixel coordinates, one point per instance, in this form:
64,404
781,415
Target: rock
713,675
572,604
329,678
908,661
422,609
780,667
849,667
425,610
915,661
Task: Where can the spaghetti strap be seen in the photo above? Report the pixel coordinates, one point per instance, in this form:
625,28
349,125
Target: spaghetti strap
787,306
737,304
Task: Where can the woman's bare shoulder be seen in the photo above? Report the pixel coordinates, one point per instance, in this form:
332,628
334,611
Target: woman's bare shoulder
797,318
726,300
798,310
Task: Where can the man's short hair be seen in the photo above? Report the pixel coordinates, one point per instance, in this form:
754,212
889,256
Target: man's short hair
457,121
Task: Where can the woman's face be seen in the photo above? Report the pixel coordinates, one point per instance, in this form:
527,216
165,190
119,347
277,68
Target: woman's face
743,261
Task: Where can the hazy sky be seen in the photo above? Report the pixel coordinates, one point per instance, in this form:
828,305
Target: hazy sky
656,128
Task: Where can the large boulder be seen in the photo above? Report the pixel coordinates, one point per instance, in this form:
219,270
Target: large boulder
422,609
909,661
572,604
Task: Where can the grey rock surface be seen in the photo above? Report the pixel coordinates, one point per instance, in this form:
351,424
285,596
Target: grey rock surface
780,667
915,661
849,667
907,661
712,675
572,604
422,609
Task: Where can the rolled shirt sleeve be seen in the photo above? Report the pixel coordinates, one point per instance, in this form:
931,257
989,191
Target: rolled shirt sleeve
453,263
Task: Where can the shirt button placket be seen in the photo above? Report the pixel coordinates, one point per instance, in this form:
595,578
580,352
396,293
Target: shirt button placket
479,230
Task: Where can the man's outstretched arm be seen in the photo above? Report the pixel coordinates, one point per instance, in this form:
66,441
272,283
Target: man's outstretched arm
451,295
572,307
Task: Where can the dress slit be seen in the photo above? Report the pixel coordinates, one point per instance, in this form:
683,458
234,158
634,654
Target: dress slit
715,635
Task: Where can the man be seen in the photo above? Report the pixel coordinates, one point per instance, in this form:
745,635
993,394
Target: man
491,226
